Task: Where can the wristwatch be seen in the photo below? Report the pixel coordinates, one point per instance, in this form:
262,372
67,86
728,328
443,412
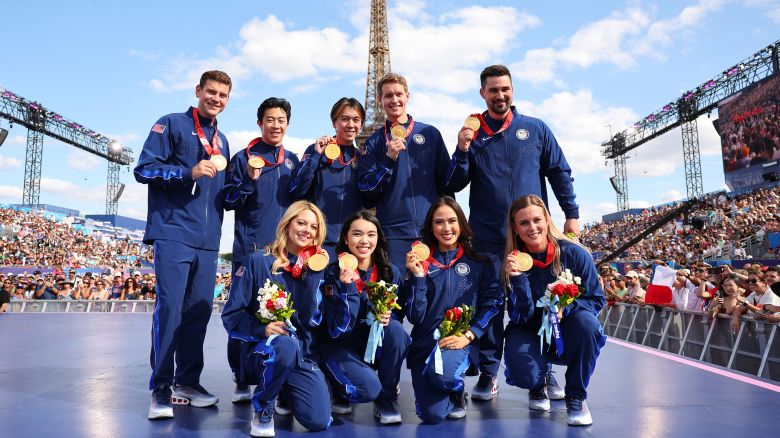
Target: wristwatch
469,335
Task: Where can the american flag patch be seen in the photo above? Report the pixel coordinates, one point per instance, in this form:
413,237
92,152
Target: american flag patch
158,128
239,272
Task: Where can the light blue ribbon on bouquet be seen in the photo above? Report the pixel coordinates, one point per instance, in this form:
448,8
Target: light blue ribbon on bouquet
375,336
438,363
550,328
290,329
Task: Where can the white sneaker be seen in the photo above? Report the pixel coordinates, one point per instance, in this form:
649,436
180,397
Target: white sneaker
194,395
538,400
577,412
263,423
161,408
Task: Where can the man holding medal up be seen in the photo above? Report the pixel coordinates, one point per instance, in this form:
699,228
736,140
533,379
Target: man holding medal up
257,184
506,155
183,162
403,170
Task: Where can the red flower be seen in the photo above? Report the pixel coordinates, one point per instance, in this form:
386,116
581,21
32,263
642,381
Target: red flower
270,305
458,312
573,290
281,294
448,315
559,289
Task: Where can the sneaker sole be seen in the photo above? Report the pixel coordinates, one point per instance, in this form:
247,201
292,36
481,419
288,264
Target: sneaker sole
484,397
576,423
539,408
282,411
385,420
456,416
241,399
183,401
341,411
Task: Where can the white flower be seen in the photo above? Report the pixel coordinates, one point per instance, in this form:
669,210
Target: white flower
382,283
577,280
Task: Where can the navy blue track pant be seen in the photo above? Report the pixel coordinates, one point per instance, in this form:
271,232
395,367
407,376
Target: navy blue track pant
432,391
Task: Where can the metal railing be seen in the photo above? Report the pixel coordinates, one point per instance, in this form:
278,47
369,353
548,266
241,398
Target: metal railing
754,349
84,306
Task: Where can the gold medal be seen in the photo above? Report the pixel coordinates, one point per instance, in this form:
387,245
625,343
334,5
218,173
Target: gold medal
256,162
332,151
348,261
524,261
398,131
219,162
472,123
421,250
317,262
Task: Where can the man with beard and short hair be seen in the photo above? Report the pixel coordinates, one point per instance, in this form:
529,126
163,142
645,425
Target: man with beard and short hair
508,156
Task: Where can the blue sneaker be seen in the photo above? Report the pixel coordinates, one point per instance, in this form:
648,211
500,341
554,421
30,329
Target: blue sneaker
160,407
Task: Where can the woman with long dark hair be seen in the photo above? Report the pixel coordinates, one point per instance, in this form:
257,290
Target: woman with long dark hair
281,359
346,307
453,275
532,231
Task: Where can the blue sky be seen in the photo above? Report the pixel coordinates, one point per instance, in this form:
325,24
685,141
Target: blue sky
583,67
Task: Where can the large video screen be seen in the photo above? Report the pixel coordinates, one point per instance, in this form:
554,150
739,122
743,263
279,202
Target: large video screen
749,128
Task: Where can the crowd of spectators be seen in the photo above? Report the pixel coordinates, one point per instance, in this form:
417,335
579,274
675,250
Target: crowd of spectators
30,238
753,290
713,229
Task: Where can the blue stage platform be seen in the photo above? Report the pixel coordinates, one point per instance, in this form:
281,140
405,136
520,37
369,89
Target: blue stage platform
85,375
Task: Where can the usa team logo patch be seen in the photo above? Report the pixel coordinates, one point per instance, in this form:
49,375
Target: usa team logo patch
418,138
158,128
288,163
521,134
462,269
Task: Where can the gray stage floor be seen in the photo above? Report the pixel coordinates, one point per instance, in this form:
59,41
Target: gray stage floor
85,375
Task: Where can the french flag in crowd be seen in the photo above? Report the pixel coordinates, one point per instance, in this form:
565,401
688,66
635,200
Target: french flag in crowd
659,291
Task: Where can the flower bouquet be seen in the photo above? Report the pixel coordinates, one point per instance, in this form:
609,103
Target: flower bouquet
381,297
558,294
456,322
275,304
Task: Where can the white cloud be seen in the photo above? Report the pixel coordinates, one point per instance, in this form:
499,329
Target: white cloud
9,163
16,139
774,14
11,193
75,193
83,161
617,39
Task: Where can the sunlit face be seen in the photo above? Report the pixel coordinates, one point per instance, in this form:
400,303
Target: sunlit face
771,277
530,223
212,98
730,287
347,125
394,98
445,227
497,93
756,284
273,126
302,231
361,238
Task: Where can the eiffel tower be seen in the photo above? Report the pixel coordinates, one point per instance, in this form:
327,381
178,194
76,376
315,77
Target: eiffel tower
378,66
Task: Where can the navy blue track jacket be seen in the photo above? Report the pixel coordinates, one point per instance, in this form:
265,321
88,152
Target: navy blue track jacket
170,152
468,282
260,204
331,186
404,189
506,166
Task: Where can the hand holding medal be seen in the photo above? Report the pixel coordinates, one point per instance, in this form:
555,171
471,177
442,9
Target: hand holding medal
468,132
396,142
517,262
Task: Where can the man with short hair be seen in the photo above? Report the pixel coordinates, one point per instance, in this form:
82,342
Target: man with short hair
259,192
507,156
760,295
403,170
635,294
182,162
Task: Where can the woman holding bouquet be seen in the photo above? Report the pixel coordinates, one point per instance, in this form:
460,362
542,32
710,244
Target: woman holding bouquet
278,356
347,305
531,231
436,287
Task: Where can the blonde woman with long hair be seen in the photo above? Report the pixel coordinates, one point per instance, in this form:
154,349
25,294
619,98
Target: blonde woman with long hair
532,231
281,360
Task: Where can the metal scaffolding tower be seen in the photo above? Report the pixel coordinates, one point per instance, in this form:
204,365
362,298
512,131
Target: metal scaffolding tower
685,110
378,66
40,121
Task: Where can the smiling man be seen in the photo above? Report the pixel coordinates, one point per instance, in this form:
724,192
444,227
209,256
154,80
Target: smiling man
182,162
506,155
403,169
